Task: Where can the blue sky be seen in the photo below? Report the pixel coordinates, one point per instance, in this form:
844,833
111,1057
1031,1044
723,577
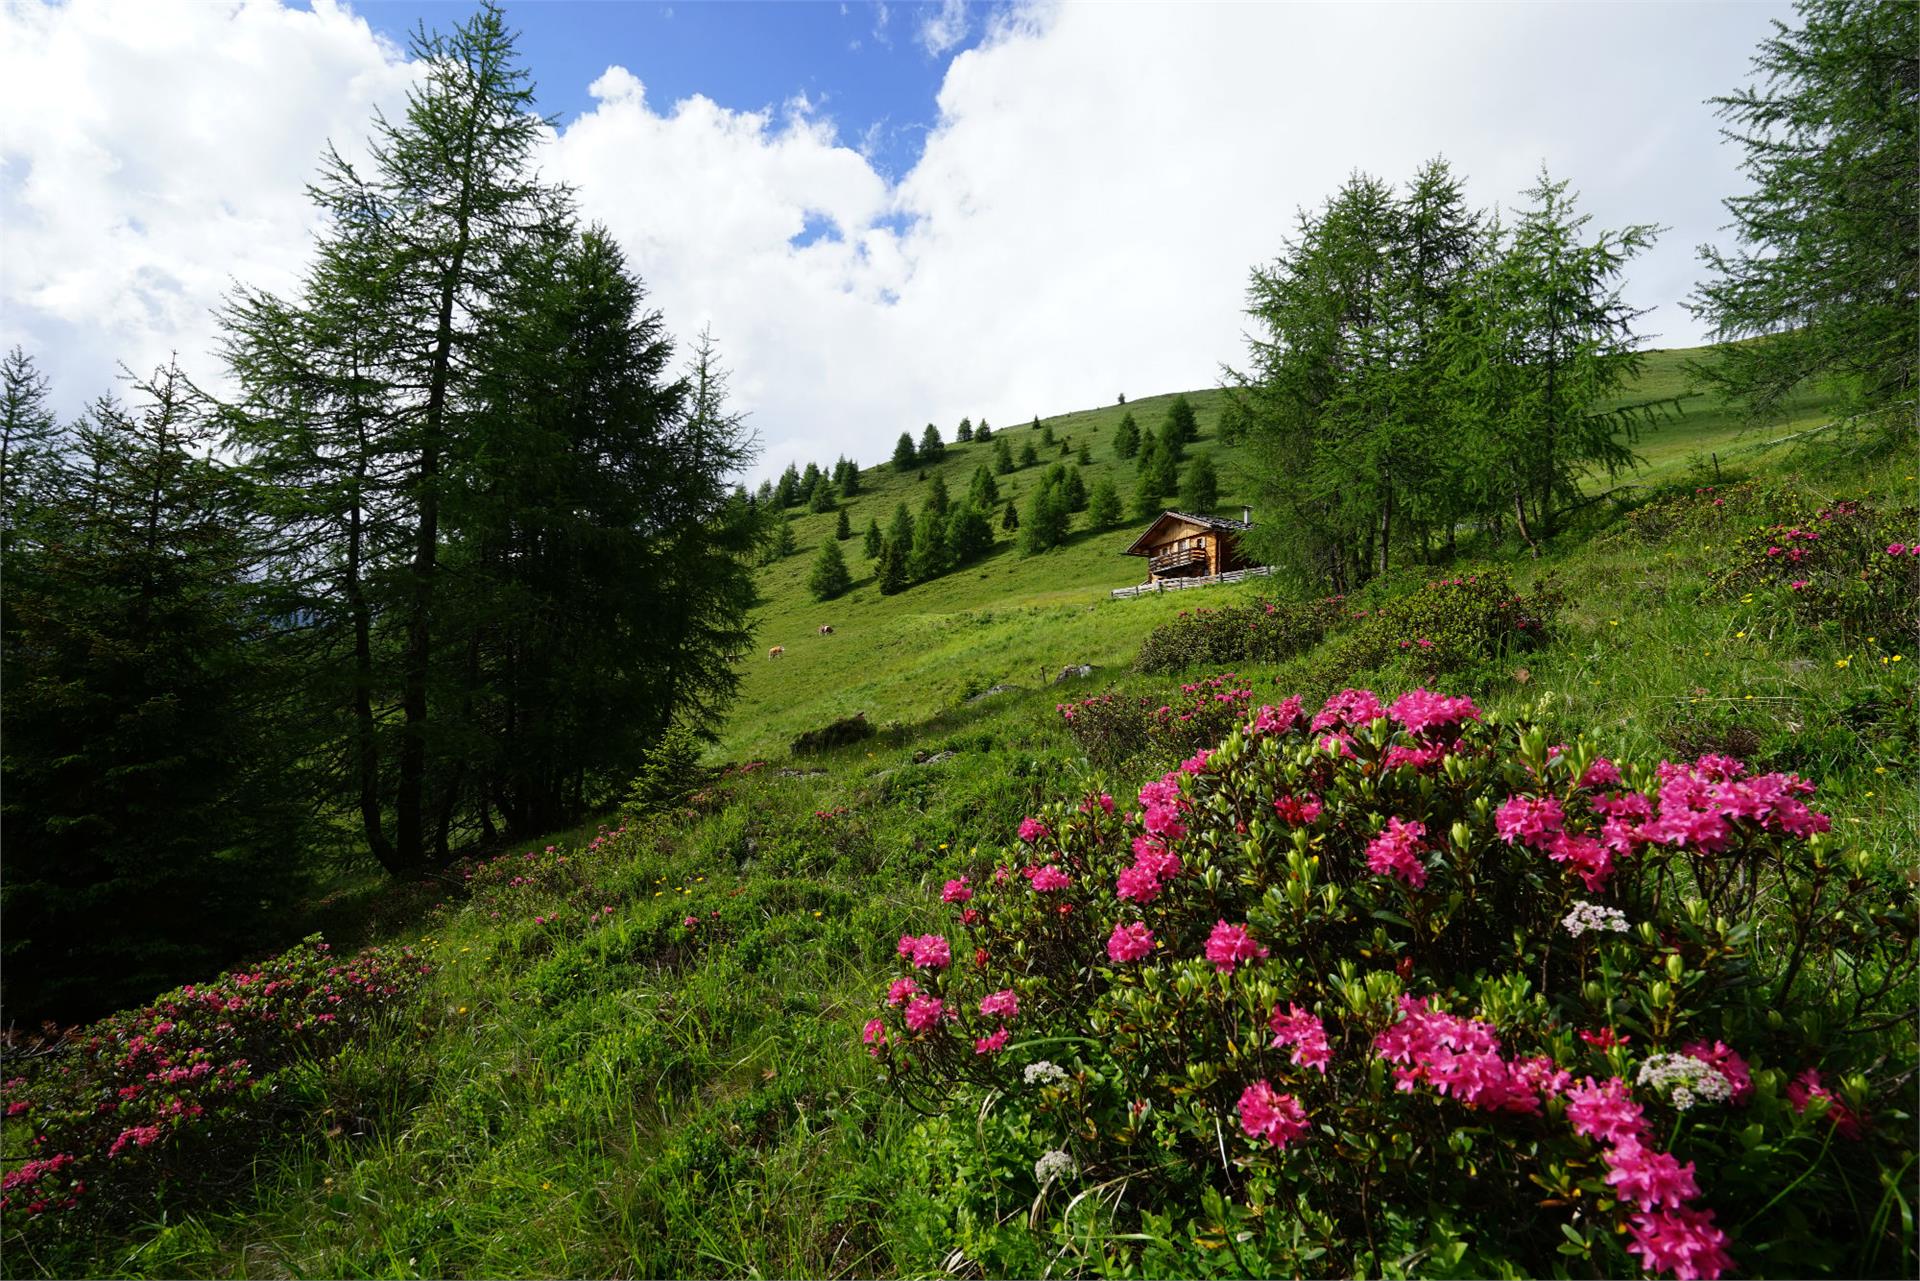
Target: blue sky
992,211
863,64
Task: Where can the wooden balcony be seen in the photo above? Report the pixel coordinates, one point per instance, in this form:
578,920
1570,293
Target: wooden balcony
1188,551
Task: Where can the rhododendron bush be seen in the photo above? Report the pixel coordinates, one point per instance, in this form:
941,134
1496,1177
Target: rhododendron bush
1842,565
1395,987
108,1123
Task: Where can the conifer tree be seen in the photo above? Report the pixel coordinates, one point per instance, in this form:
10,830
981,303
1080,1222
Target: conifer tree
1010,519
147,787
30,436
1126,437
1002,458
937,499
1185,427
1147,494
1046,433
1103,508
969,535
1028,455
1826,268
927,556
1074,486
782,543
1200,490
964,432
874,543
764,494
932,448
983,493
843,528
1047,519
904,457
893,570
983,433
809,480
821,499
829,577
900,528
1085,456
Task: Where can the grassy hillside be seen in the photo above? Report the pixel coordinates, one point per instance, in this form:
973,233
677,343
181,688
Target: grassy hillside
592,1087
1014,619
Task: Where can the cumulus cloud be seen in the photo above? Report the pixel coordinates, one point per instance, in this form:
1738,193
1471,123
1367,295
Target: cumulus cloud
1080,223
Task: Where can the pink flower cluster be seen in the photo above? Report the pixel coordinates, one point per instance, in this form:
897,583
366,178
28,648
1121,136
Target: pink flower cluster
1304,1032
1297,810
1721,1058
927,951
1129,942
1538,822
1230,946
1395,851
1460,1057
1267,1114
1667,1235
1154,864
1032,829
1047,878
956,891
923,1013
1420,712
1277,720
1700,803
1349,709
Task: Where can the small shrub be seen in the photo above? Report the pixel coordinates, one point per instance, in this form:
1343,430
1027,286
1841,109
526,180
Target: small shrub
1707,511
670,772
1844,567
1406,991
113,1123
1112,727
1260,632
1448,626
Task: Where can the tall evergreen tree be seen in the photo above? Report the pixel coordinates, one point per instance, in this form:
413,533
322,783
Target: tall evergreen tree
904,456
937,499
147,814
900,527
843,528
1126,437
829,577
1200,490
983,492
787,491
1002,458
893,570
780,542
1185,427
969,534
932,448
1028,455
1826,268
927,554
1103,508
30,436
1074,486
1010,518
821,499
1085,455
1046,432
873,542
809,480
965,431
1047,520
983,433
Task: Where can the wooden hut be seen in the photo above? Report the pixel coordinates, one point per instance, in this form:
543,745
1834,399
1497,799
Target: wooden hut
1183,545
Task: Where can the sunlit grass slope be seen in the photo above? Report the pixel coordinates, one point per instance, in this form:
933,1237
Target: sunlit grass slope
1014,619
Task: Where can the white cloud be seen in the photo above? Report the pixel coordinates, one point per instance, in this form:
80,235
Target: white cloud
1081,222
942,27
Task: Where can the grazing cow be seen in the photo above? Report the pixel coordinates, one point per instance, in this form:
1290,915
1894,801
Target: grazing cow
776,651
826,629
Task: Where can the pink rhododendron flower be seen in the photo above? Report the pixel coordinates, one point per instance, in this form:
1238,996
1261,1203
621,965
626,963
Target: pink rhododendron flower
139,1135
1896,549
1806,1087
1298,810
928,952
875,1036
1420,710
691,922
1129,942
1459,1058
1267,1114
991,1044
1394,851
1351,708
956,891
1155,857
1049,878
1586,855
1647,1178
1604,1111
923,1013
1229,945
1721,1058
1415,757
1003,1004
1529,819
1195,764
1032,829
1305,1033
900,989
1277,720
1683,1242
1602,773
1138,884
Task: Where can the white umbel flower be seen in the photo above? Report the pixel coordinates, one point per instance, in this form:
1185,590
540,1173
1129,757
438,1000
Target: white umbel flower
1052,1165
1594,916
1043,1073
1684,1080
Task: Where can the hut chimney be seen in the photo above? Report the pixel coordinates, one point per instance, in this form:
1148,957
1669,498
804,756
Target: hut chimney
1246,515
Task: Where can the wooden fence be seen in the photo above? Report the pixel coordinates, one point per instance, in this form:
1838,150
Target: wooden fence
1181,584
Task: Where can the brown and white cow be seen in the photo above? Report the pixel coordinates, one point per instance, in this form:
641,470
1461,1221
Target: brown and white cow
826,629
776,651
